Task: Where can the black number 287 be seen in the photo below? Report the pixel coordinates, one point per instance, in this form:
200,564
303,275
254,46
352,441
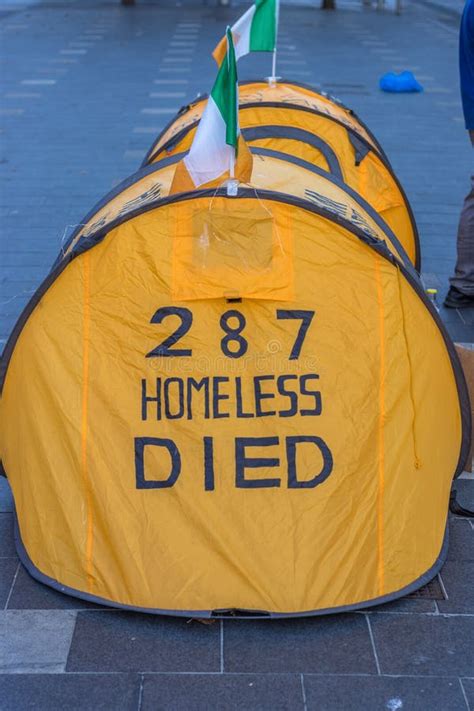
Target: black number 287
232,334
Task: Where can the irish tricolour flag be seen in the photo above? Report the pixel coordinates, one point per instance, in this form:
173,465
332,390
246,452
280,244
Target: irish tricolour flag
218,150
255,31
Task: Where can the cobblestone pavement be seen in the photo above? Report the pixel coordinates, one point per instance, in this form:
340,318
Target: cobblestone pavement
84,88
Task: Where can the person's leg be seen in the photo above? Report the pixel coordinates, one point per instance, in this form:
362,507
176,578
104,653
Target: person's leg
461,292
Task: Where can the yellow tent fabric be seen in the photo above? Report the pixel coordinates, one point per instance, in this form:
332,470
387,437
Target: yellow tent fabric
236,407
297,121
254,92
272,170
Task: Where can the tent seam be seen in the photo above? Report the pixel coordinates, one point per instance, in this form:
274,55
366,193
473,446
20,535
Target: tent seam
410,368
381,423
84,419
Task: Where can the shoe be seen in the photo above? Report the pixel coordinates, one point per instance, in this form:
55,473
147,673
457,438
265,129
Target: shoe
455,299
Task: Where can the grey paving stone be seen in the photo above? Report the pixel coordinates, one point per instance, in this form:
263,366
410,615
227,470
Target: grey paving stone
465,492
226,692
8,568
468,685
424,644
32,641
7,545
406,604
461,540
458,579
448,316
29,594
333,644
119,641
467,316
69,692
454,7
358,693
6,498
458,331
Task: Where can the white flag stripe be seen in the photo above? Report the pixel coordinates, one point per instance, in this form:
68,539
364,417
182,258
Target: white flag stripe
241,33
209,156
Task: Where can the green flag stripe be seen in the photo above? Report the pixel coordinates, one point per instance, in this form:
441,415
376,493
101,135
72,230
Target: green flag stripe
263,29
224,92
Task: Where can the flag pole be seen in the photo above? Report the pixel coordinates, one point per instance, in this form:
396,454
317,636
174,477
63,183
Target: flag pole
232,183
273,79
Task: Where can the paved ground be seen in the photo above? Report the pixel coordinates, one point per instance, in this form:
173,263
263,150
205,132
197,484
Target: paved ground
82,95
454,7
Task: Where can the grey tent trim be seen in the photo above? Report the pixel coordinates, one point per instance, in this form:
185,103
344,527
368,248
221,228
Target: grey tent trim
268,131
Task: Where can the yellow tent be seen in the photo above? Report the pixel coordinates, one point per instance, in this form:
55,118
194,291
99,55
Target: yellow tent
223,403
272,170
294,119
287,92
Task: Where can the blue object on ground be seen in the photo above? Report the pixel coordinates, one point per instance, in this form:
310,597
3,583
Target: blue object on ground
399,83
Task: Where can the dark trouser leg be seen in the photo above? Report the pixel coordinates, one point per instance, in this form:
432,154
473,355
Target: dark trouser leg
464,273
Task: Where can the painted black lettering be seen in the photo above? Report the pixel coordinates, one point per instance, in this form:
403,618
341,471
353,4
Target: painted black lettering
176,398
306,318
208,464
151,398
242,462
259,395
217,396
140,444
293,481
315,394
233,334
197,385
164,349
293,409
238,399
